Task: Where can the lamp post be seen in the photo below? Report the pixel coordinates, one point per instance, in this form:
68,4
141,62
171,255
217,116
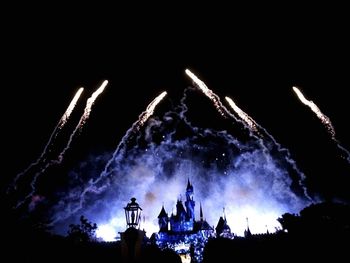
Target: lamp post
132,213
132,238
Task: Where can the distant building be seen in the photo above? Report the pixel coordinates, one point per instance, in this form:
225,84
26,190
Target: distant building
247,233
182,232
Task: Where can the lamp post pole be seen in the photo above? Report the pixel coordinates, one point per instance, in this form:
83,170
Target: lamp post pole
132,237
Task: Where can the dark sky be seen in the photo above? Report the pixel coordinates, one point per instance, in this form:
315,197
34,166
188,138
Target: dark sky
44,62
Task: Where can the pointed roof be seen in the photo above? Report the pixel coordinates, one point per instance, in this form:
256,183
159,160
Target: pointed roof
222,226
162,213
247,232
180,208
203,225
189,185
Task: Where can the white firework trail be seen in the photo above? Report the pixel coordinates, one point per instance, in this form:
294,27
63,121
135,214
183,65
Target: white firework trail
150,109
92,188
324,119
244,116
53,135
82,121
70,108
143,117
224,112
89,103
254,126
209,93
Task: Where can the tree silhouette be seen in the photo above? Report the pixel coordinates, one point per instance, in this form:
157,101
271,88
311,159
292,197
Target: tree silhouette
83,232
289,222
318,219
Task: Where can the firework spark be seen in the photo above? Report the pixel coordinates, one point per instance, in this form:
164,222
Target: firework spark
118,153
324,119
70,108
244,116
143,117
53,135
208,92
263,133
150,109
224,112
90,102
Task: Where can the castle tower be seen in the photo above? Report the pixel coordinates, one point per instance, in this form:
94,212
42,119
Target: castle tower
202,225
190,204
163,220
247,232
222,228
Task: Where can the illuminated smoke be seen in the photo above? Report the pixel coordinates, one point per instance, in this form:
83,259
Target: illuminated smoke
224,112
244,116
117,155
324,119
53,135
245,178
251,184
89,103
143,117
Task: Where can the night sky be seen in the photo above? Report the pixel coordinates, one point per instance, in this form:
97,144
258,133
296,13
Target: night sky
254,65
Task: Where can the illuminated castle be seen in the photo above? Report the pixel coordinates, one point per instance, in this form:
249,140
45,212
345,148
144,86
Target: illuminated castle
182,232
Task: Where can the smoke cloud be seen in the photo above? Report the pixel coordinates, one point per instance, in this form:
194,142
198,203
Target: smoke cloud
246,178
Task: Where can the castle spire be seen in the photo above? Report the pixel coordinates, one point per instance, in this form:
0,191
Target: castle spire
188,184
162,213
162,220
189,203
247,232
201,212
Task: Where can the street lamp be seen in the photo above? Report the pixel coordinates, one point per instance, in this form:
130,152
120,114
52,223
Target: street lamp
133,213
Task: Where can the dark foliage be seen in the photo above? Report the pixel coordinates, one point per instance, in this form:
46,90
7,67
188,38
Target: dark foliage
321,231
83,232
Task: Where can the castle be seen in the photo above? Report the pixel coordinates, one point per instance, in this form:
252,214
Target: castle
182,232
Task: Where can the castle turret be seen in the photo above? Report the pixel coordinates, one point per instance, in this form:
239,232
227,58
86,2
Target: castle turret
190,204
222,228
180,210
203,225
163,220
247,232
